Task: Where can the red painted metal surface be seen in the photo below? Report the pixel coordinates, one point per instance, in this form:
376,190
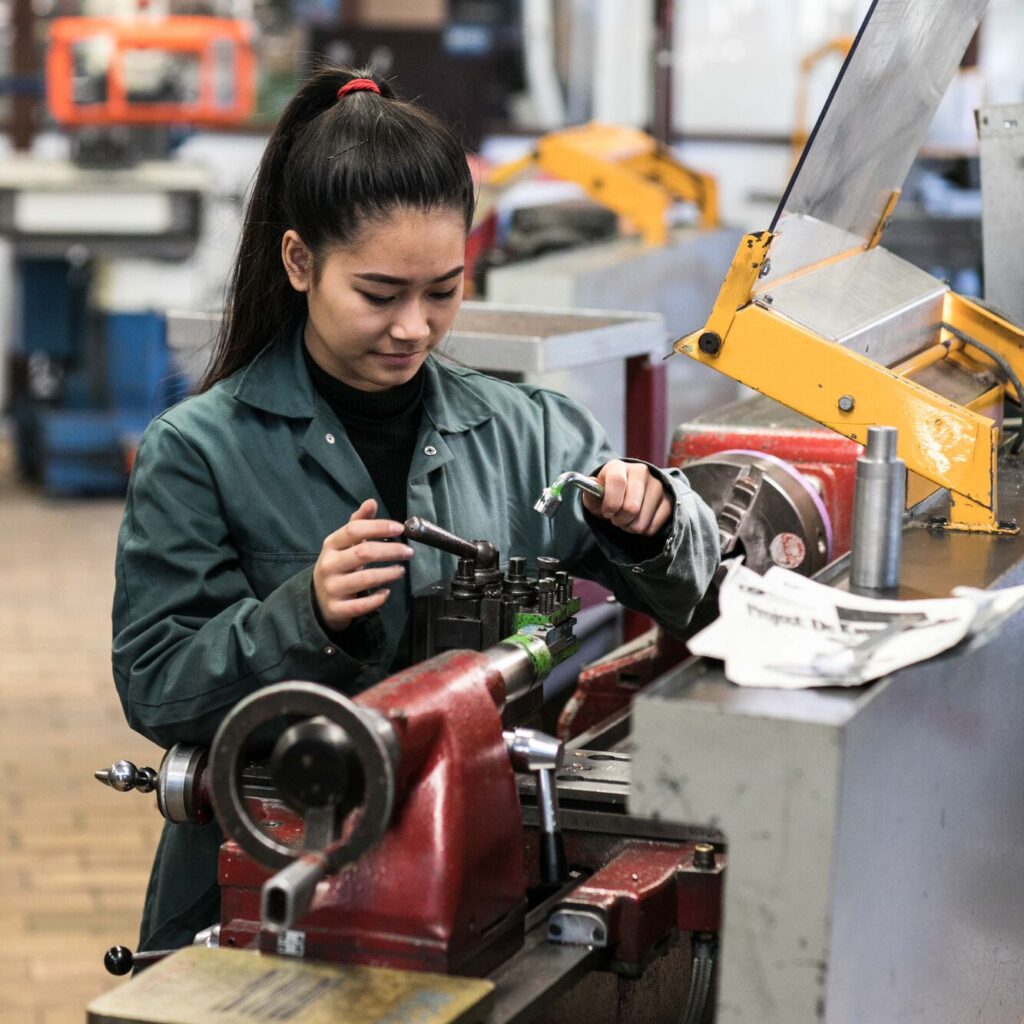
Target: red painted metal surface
607,686
825,457
646,426
445,889
822,455
647,891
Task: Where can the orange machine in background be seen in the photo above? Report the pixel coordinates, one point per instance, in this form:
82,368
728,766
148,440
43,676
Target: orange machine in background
195,70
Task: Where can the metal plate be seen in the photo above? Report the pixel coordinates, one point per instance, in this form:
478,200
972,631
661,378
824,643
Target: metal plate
1001,135
874,303
587,776
196,986
871,126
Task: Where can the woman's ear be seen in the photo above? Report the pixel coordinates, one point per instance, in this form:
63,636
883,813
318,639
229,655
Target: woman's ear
297,260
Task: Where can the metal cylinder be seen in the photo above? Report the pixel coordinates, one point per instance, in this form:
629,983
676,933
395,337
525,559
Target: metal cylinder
878,502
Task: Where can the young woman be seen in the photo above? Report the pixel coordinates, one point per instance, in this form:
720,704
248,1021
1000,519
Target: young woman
261,537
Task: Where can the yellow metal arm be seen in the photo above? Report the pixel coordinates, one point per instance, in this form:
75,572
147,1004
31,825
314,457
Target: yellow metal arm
623,169
951,445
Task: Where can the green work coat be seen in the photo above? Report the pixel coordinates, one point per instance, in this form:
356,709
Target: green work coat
233,492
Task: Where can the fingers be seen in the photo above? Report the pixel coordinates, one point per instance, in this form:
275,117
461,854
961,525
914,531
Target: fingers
343,596
360,529
343,584
339,614
635,500
367,510
654,513
365,553
347,585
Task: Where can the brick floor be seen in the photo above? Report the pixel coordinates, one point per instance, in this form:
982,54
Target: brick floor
74,856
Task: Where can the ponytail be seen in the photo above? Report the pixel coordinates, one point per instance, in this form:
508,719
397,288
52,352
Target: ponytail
337,159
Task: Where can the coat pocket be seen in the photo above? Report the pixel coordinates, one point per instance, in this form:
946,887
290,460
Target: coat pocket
266,570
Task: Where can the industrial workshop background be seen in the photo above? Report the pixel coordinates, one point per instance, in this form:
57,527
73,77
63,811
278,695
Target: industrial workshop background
131,131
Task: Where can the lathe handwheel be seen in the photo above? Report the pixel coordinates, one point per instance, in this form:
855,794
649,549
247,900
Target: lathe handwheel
371,742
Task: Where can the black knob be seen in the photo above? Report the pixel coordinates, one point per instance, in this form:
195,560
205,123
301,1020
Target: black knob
118,960
710,343
313,764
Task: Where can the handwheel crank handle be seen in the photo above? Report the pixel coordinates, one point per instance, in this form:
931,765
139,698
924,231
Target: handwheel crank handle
288,895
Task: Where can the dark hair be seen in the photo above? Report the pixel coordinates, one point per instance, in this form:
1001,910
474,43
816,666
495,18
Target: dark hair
330,167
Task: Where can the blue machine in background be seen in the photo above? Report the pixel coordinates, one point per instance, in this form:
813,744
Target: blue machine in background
84,383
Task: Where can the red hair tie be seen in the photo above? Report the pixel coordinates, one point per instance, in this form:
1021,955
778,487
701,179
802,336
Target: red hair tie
359,85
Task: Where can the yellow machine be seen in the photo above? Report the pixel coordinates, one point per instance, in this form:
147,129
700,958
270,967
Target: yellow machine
623,169
948,444
816,314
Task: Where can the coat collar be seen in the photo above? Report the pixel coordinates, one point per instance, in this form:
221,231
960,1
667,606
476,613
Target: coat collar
277,381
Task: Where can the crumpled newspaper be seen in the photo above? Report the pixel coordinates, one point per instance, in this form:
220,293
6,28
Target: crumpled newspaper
784,630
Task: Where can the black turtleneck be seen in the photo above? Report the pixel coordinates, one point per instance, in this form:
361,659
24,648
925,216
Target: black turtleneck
382,426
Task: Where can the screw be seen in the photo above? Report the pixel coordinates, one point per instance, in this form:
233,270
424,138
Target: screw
766,268
704,856
768,299
846,403
1007,524
937,520
710,343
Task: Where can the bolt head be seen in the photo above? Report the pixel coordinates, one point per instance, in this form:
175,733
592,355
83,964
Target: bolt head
704,856
846,403
710,343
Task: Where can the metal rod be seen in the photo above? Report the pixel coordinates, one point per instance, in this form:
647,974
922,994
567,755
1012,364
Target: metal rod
878,502
436,537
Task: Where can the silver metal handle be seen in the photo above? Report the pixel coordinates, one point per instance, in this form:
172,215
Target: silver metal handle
550,499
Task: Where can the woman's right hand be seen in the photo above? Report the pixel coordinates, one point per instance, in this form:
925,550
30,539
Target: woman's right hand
343,586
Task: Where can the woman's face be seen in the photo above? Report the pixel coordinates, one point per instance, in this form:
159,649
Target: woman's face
381,303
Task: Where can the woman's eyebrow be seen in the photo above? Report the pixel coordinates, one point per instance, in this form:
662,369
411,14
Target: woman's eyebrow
388,279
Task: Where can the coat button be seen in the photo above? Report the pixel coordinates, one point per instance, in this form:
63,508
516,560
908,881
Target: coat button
330,649
637,570
329,438
430,450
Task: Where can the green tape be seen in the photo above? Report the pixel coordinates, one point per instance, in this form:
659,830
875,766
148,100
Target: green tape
540,655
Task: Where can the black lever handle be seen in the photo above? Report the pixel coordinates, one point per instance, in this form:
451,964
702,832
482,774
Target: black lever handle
425,532
120,959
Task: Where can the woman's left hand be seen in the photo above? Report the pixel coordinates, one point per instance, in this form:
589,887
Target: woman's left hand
635,500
